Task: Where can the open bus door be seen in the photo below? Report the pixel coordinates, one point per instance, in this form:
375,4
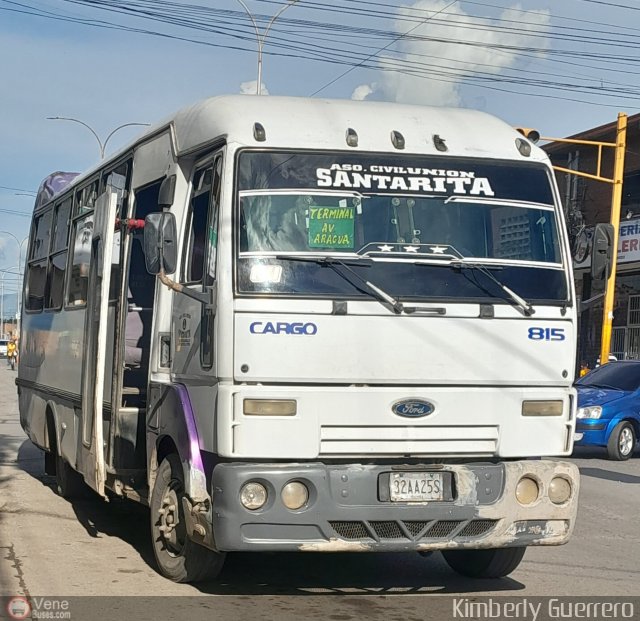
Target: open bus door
91,456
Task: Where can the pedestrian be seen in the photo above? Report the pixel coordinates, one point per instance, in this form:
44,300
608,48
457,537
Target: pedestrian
12,352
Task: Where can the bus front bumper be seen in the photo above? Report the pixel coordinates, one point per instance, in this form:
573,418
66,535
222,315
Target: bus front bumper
349,508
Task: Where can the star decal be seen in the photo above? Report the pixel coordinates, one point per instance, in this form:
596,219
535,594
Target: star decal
386,248
437,249
411,248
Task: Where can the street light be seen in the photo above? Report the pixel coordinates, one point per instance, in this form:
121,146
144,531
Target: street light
20,244
261,38
103,145
4,273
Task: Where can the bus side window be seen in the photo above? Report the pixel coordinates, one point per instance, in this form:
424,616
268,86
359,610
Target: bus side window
81,256
58,260
202,229
38,260
201,244
36,285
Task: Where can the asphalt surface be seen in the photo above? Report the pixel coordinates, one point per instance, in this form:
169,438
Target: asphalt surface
49,546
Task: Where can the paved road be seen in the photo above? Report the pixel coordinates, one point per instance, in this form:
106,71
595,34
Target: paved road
50,546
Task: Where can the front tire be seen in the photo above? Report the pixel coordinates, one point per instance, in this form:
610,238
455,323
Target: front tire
179,558
491,563
622,442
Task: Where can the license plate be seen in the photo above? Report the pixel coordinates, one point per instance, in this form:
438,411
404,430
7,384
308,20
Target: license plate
577,437
416,486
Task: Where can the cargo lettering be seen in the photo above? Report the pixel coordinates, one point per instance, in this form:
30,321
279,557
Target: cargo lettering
283,327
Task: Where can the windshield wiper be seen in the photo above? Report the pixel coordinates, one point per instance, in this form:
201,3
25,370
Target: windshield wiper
520,302
330,261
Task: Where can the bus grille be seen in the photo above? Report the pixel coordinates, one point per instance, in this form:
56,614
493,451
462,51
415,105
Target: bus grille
412,530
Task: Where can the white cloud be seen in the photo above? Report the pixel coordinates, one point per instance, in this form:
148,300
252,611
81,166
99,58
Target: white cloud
251,87
362,92
447,63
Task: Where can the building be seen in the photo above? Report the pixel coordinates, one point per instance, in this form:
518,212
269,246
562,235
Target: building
587,202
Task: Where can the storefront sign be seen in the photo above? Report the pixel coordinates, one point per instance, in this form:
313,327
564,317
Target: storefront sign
629,241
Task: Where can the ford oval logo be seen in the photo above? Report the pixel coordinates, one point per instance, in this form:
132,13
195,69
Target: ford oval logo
413,408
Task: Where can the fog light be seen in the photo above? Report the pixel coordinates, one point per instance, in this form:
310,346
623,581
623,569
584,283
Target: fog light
527,491
295,495
269,407
253,496
559,490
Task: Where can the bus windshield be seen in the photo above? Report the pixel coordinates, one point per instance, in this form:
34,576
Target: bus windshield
401,212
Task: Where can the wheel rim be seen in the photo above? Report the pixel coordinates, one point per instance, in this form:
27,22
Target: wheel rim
170,524
625,441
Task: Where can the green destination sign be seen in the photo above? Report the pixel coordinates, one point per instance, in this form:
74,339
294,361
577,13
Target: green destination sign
331,227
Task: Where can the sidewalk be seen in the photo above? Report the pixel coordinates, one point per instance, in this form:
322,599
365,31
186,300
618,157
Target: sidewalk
12,477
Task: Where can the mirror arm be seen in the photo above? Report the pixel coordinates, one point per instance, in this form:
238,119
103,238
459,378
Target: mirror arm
205,297
586,304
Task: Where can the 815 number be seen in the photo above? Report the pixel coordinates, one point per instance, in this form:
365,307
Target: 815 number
546,334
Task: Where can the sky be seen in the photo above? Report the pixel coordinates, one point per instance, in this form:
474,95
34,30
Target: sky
560,66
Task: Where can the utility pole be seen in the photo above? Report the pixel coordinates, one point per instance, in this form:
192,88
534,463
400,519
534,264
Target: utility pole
619,147
616,201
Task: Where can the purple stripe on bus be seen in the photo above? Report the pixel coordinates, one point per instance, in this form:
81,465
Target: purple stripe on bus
194,443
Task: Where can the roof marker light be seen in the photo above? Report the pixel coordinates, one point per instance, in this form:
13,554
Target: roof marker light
397,139
352,137
523,146
258,132
439,143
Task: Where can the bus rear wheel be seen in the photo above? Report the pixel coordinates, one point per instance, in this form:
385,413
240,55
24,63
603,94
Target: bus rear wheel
491,563
179,558
69,482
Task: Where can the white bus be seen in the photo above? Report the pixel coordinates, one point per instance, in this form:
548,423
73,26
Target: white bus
300,324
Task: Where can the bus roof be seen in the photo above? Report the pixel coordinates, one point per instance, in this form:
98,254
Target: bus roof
309,123
297,122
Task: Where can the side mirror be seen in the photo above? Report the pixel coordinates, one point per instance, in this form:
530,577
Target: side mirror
160,242
602,251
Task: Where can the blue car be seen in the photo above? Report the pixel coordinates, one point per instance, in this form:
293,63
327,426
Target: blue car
609,408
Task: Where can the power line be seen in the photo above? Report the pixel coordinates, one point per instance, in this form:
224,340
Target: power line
613,4
4,187
349,55
15,213
388,45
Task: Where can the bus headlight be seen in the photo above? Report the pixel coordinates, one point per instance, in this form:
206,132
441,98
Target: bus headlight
269,407
559,490
527,491
591,411
294,495
542,408
253,496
